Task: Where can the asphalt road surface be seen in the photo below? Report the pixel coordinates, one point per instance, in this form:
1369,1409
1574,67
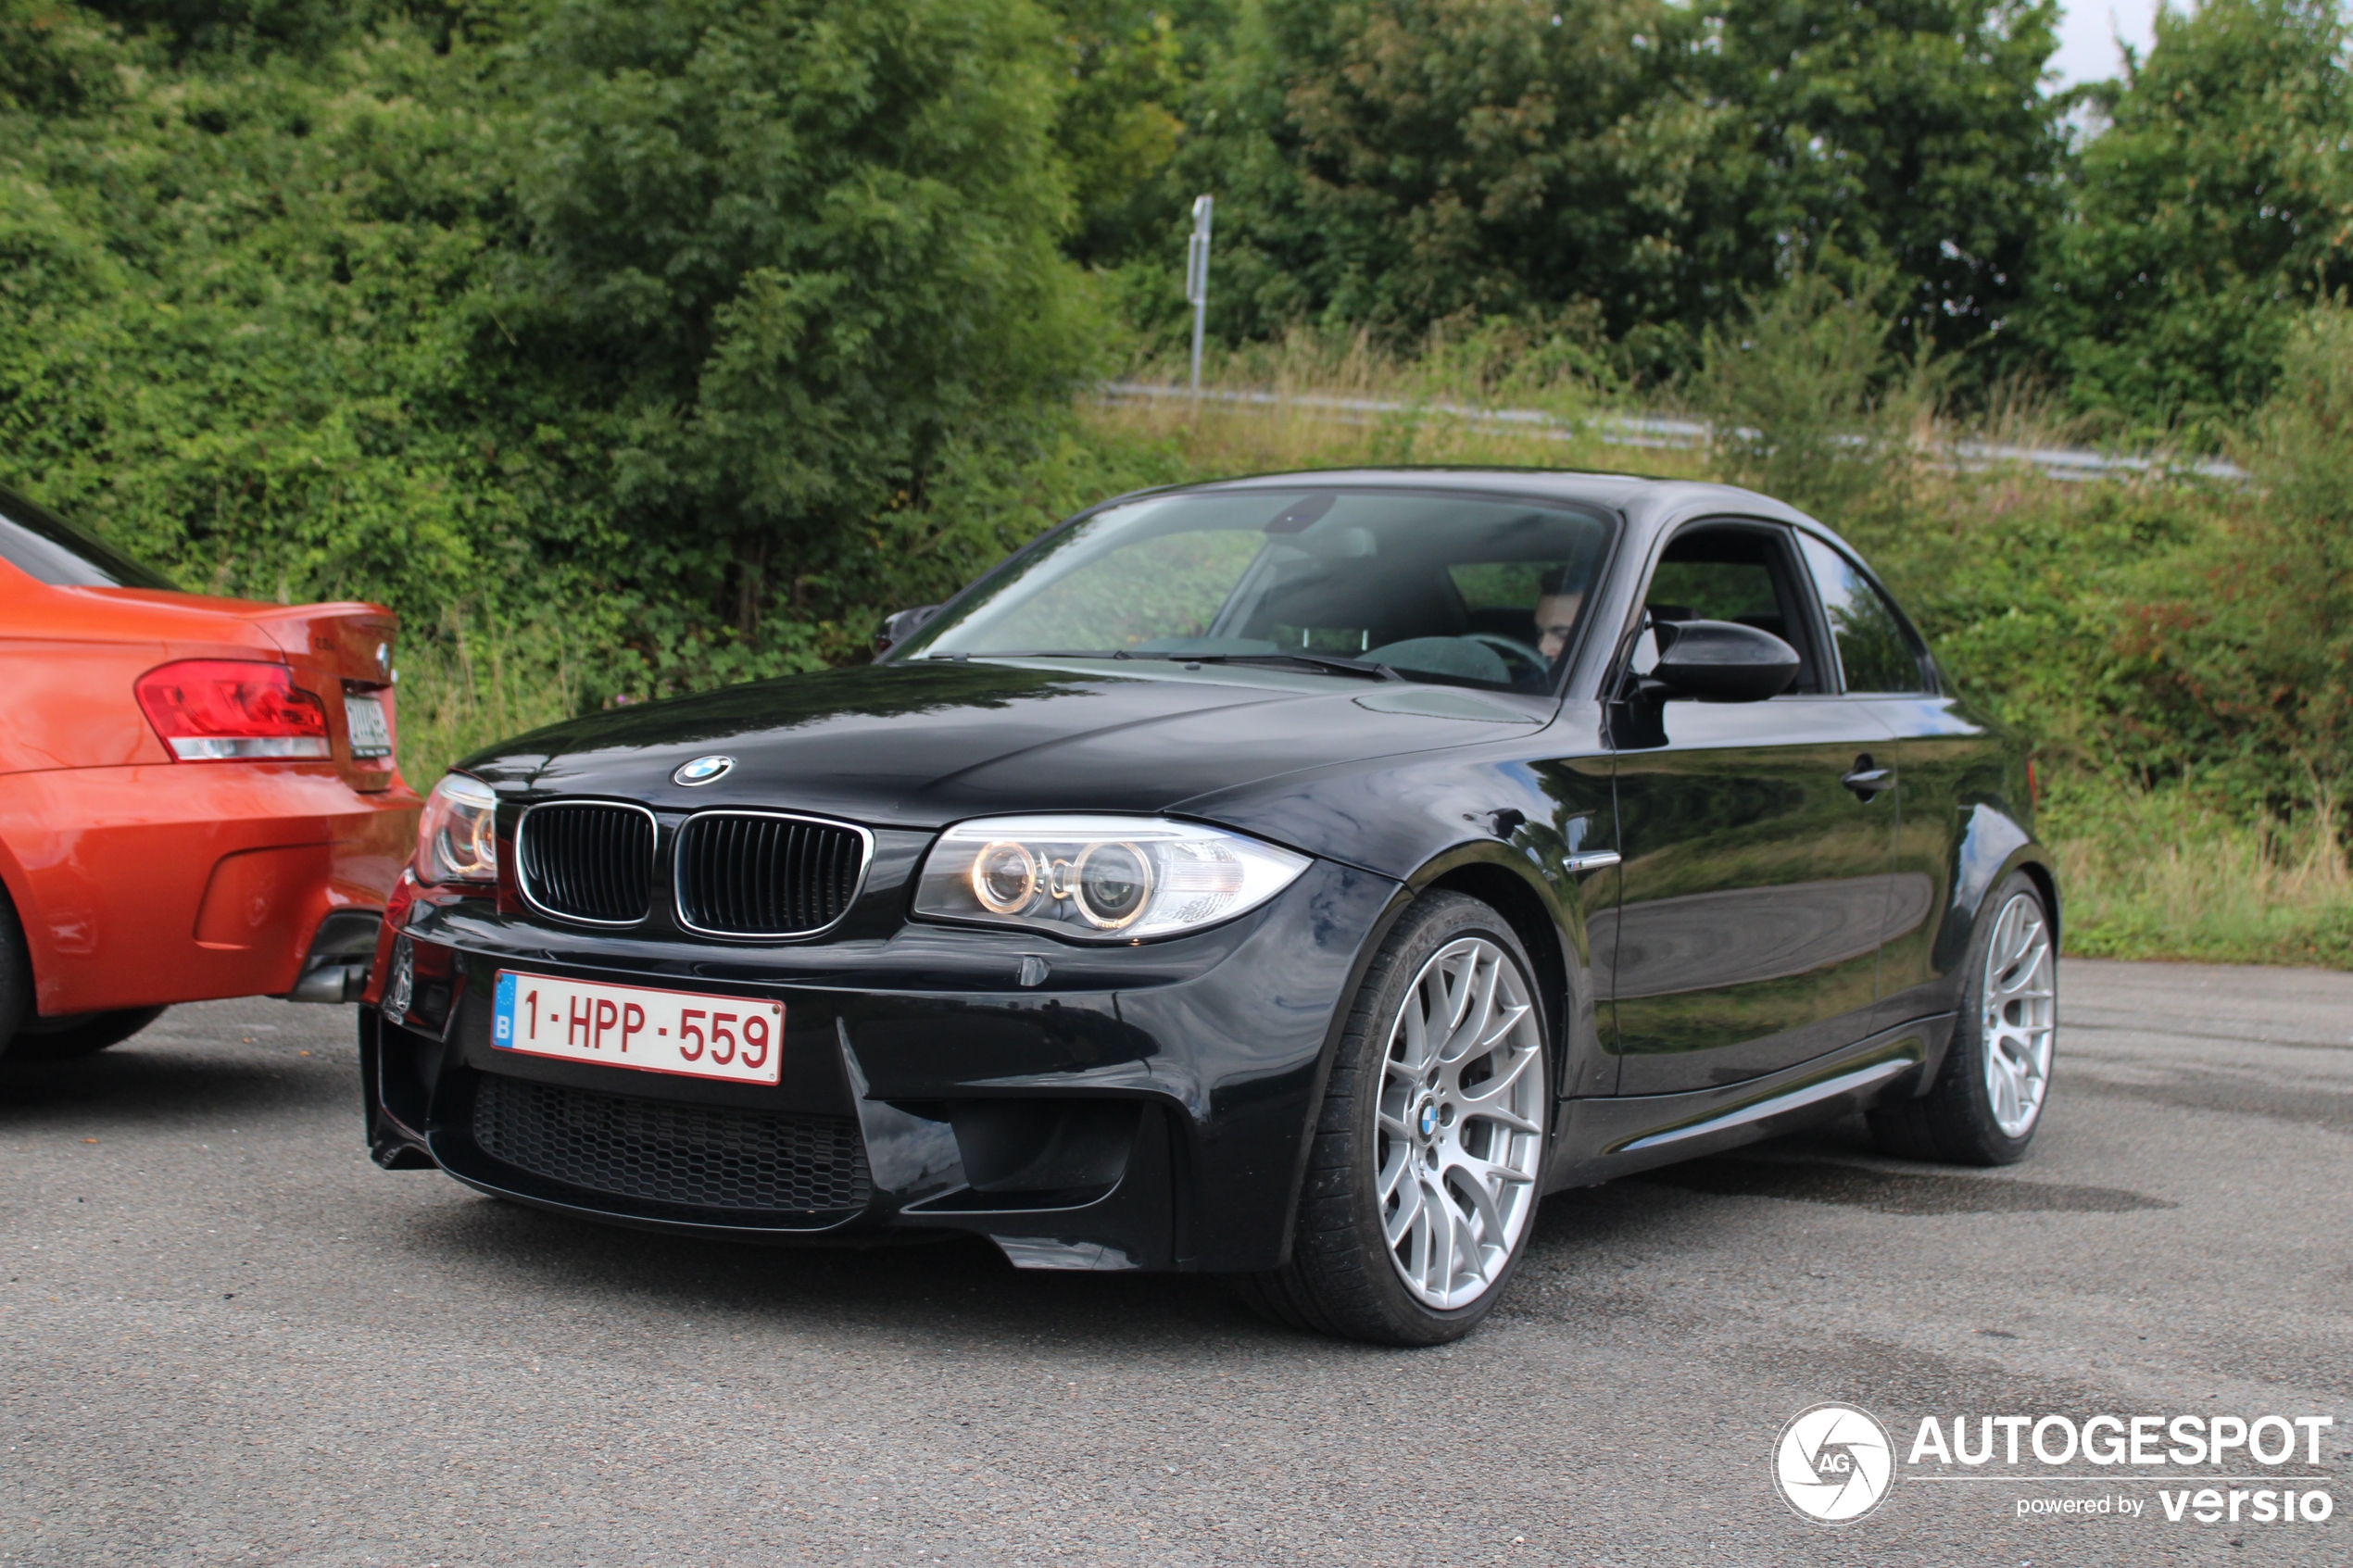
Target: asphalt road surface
226,1337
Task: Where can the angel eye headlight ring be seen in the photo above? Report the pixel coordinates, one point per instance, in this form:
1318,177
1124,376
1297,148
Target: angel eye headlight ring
1004,877
1120,894
1099,876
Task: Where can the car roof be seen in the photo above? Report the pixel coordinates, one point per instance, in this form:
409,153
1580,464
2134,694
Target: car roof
1645,501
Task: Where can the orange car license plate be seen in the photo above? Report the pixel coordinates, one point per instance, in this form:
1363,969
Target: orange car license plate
734,1038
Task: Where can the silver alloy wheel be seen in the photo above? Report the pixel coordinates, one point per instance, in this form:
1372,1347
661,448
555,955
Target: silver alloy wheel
1462,1123
2021,1016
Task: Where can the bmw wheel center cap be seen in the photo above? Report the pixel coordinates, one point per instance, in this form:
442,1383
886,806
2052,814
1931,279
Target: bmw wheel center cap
701,771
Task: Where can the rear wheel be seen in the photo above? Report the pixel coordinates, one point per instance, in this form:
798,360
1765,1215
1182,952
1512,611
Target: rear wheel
1989,1094
59,1039
1423,1180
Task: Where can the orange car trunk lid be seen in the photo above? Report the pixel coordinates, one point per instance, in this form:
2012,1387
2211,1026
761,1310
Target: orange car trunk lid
343,652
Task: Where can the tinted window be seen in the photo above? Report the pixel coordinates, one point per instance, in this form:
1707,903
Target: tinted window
1874,649
1444,588
49,549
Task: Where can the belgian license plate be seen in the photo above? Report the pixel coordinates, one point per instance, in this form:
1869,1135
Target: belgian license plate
734,1038
363,714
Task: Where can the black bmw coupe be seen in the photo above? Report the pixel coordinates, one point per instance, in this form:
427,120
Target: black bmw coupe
1293,878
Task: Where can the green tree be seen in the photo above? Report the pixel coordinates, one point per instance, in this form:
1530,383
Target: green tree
1912,132
2216,205
55,59
1118,125
1399,162
257,28
773,259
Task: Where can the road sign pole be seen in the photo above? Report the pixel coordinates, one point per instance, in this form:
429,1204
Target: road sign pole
1197,277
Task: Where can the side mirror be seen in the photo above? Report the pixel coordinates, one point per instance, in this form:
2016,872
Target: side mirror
1723,661
897,629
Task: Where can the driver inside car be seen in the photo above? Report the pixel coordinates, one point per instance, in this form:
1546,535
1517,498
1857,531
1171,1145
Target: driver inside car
1556,604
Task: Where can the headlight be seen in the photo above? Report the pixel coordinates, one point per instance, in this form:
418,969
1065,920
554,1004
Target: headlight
455,838
1103,879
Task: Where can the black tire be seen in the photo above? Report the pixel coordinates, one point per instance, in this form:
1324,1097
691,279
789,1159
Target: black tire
1955,1121
16,975
61,1039
1341,1278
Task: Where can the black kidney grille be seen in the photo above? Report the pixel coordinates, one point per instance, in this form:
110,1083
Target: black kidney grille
696,1156
745,875
589,860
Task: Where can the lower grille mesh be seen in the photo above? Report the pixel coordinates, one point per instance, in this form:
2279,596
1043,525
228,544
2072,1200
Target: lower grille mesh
702,1157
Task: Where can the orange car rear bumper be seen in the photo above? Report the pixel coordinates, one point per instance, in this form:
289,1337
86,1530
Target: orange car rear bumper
179,881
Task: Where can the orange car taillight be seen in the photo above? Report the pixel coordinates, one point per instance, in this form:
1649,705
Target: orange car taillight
219,709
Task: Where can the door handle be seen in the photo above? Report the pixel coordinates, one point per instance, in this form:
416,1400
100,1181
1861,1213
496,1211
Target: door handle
1867,780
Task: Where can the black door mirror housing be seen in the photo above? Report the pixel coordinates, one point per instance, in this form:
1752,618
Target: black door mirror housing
897,628
1723,661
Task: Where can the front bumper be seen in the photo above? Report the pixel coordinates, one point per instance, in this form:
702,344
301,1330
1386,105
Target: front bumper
1142,1107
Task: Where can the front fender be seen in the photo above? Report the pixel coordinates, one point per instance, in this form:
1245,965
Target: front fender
1990,846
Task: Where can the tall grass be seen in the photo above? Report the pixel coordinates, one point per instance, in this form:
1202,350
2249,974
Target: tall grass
2166,874
471,680
1441,389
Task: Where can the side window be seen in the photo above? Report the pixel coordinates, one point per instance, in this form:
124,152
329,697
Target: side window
1737,573
1874,649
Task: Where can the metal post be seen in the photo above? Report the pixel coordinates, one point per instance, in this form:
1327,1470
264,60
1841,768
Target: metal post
1197,277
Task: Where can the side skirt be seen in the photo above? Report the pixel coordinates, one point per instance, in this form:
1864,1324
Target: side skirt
1602,1138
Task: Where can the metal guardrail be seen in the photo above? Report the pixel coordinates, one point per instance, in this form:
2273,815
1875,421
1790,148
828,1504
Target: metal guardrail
2074,464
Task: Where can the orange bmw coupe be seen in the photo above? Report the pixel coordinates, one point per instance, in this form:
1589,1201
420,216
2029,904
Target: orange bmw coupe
198,797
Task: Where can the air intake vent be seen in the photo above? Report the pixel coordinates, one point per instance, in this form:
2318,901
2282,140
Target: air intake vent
695,1156
751,874
588,861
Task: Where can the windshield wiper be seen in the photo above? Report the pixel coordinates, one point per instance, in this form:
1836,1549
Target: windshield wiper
960,655
1333,662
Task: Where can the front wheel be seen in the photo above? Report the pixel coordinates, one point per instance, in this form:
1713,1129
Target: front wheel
1988,1097
1423,1181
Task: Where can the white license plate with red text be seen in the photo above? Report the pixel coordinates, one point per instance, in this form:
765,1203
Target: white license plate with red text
736,1038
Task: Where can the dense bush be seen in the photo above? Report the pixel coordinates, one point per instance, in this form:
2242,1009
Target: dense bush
598,315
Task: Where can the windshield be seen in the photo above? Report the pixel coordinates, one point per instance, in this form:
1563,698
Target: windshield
49,549
1454,589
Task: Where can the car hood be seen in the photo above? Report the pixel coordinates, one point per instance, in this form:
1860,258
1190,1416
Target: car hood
923,744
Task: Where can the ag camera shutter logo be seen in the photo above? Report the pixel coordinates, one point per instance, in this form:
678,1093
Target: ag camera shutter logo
1834,1463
